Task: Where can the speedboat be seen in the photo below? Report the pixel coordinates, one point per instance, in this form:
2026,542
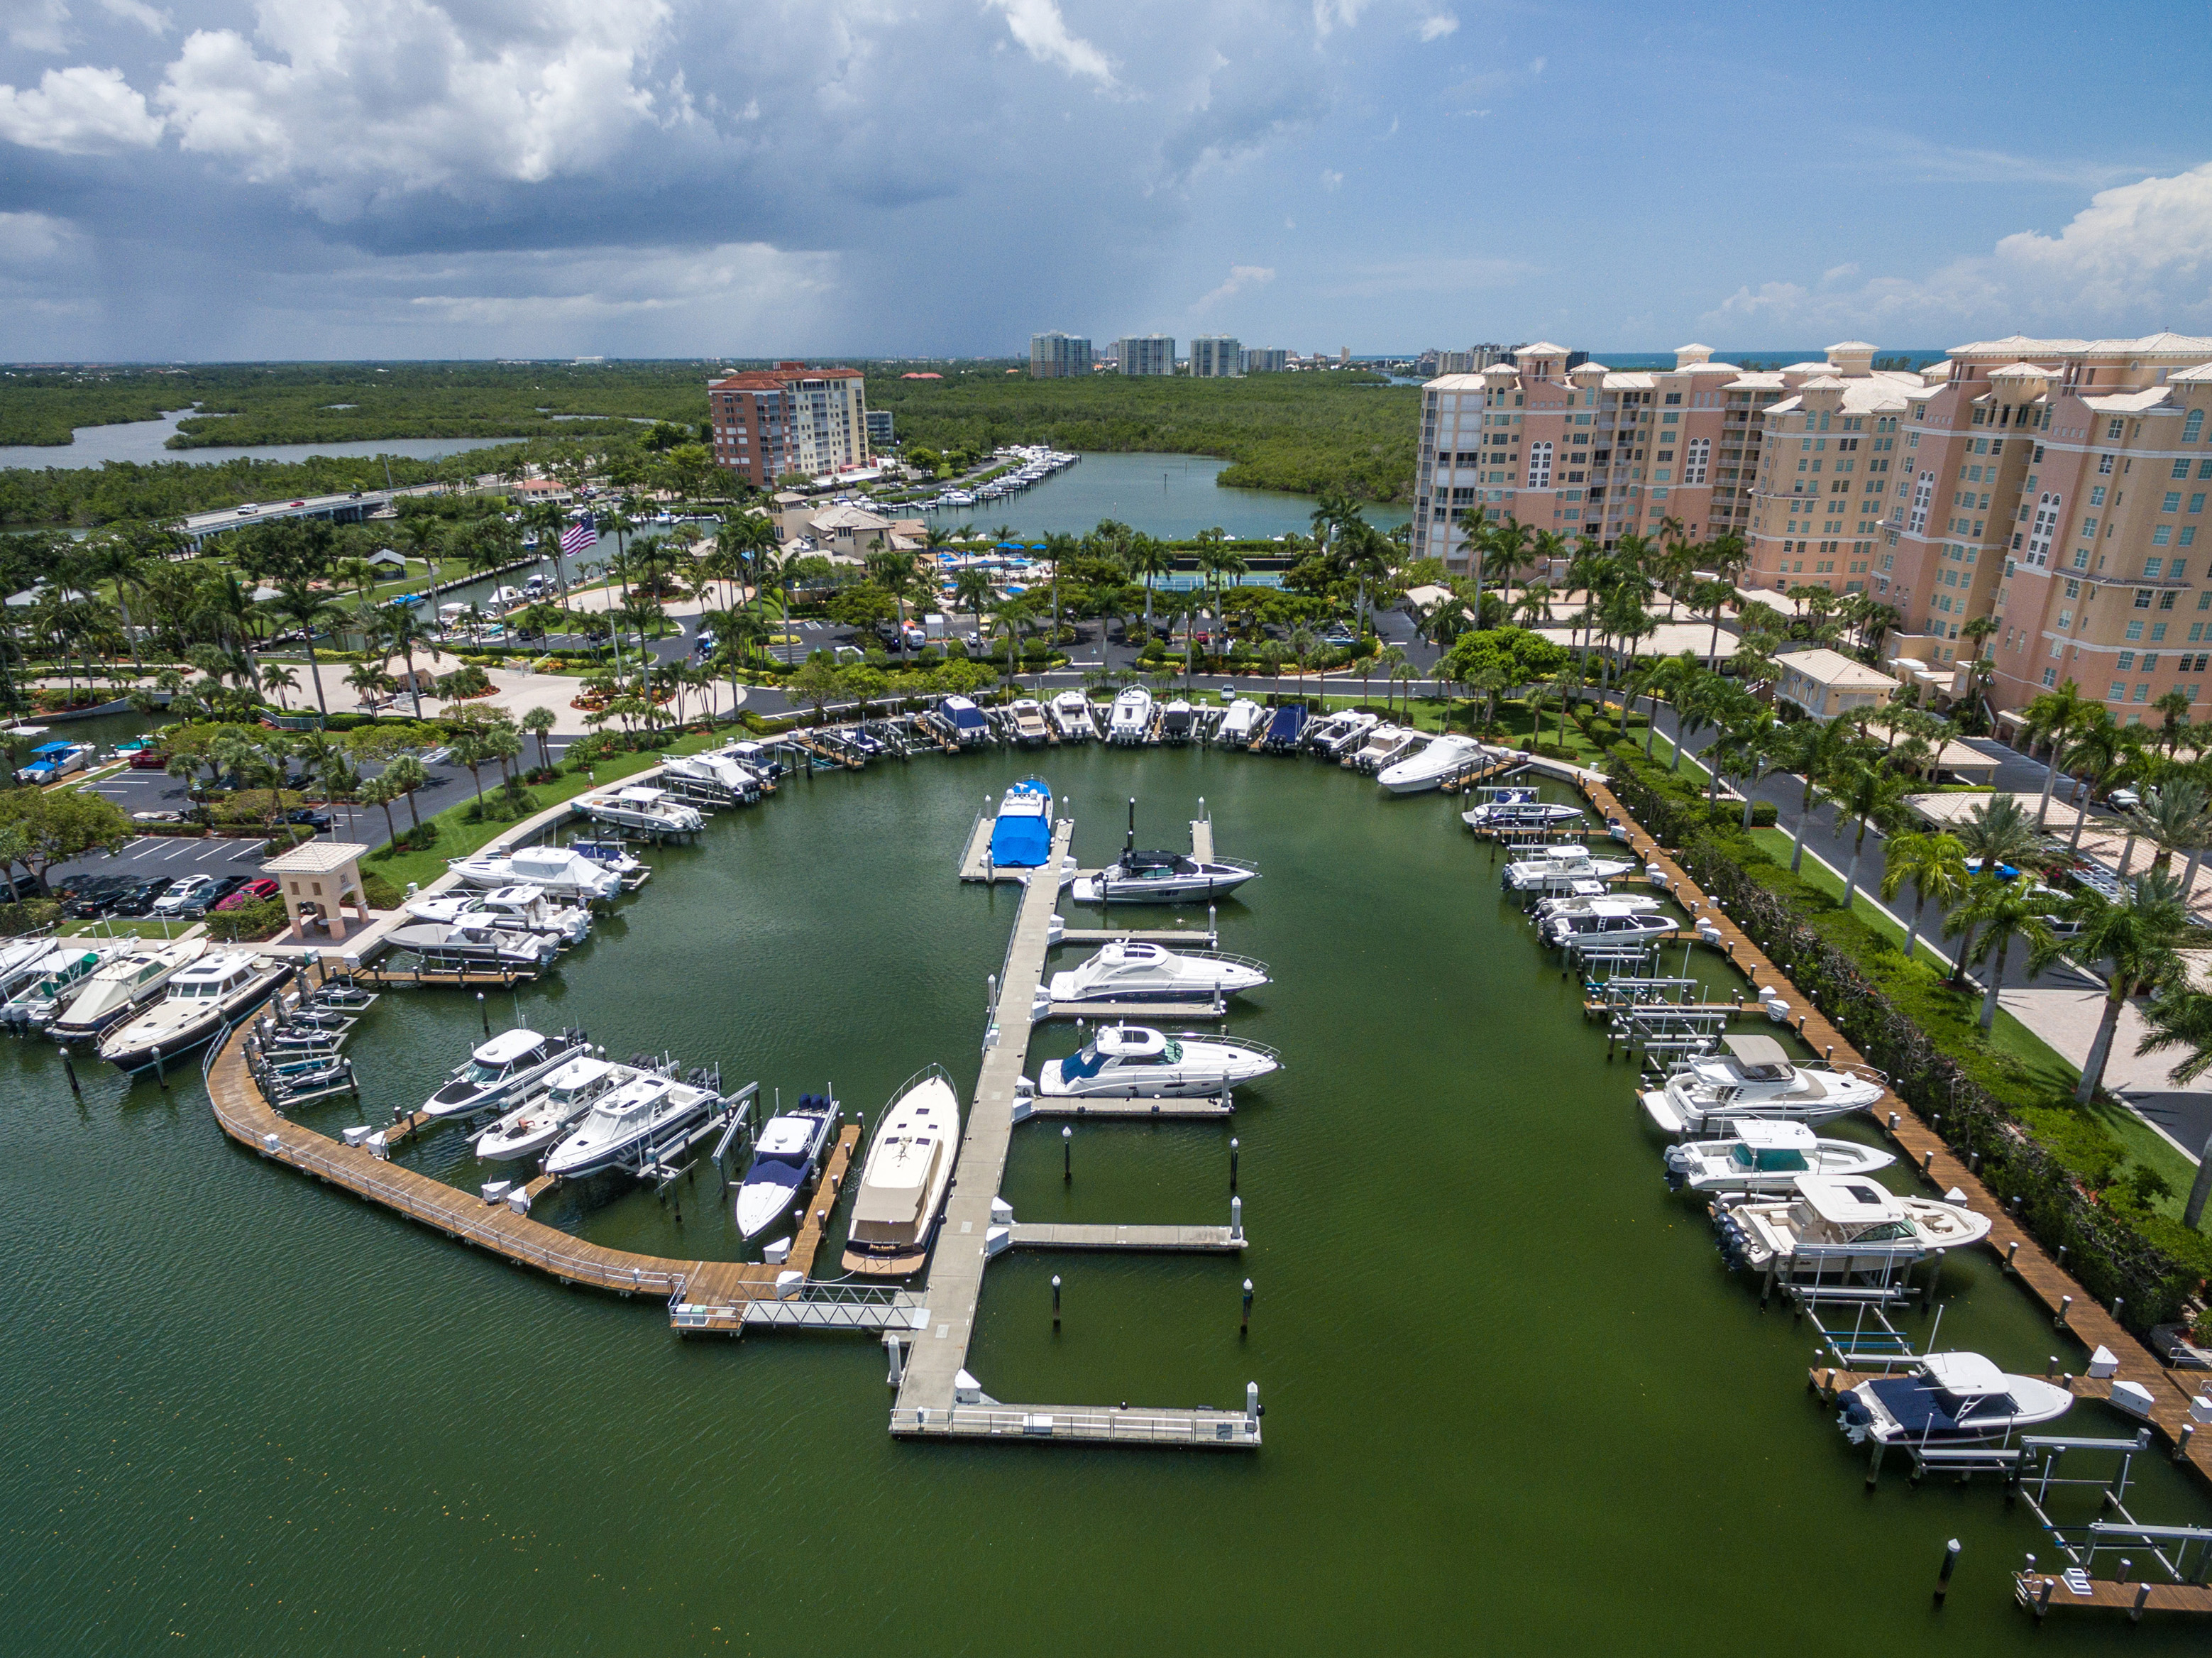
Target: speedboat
20,959
1606,923
517,908
714,777
1551,869
1125,1061
1021,838
1285,727
203,998
1514,806
549,1107
1386,745
630,1126
495,1074
1174,722
784,1161
1071,713
1753,1077
1578,898
1949,1399
1850,1225
1162,878
1240,724
1126,971
905,1179
470,943
1430,767
40,998
1028,721
755,758
1765,1156
1350,733
638,806
965,722
560,871
123,984
1131,719
1321,733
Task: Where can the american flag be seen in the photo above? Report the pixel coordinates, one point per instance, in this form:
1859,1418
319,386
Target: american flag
581,536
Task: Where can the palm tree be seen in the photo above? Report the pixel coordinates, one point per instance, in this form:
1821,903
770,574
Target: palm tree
2055,716
1566,685
469,746
2135,936
972,591
1149,559
1868,794
305,608
407,773
2098,755
275,676
538,722
1814,749
1935,865
1390,661
382,791
2005,910
1712,598
400,632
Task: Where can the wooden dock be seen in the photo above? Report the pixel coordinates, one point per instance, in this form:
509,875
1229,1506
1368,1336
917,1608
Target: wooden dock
1104,935
1165,1239
381,978
1209,1107
1109,1010
2043,1594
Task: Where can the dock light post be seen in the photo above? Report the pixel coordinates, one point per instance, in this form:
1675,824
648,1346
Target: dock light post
1245,1326
1943,1576
68,1069
1066,1163
1232,1154
483,1013
1056,1301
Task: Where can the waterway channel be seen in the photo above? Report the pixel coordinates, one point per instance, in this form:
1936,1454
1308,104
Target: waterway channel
1513,1398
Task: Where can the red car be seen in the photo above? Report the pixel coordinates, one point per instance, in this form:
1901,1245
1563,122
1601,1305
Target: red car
251,893
149,760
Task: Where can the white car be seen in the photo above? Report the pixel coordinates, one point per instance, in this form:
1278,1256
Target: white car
186,895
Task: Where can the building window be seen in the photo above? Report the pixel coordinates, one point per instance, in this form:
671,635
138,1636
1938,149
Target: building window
1699,452
2049,678
2161,536
2119,692
2192,428
2135,630
1540,466
2173,496
2142,694
2126,660
1923,493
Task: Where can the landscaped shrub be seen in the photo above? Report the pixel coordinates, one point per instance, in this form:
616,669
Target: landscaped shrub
28,916
248,922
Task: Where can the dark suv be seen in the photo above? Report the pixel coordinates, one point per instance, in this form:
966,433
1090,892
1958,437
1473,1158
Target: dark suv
87,896
137,897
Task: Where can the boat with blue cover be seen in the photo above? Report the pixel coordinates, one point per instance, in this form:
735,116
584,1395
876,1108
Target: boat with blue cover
1022,836
784,1161
1949,1399
1285,730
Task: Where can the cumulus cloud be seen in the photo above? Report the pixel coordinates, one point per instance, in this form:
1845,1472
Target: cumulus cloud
720,294
38,25
1241,277
1436,25
1331,178
35,239
2138,256
78,112
1038,27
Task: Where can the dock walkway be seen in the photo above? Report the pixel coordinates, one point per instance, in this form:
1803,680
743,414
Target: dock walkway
1174,1240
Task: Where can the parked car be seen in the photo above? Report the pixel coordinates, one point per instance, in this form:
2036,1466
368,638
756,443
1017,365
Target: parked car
190,896
139,897
89,896
312,816
252,892
1339,637
169,816
149,760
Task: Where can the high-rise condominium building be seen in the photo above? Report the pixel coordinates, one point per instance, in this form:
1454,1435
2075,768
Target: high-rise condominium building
1215,356
1059,357
790,418
1584,450
1147,354
1266,359
1473,360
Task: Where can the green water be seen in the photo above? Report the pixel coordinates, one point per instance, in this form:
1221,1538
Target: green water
1512,1398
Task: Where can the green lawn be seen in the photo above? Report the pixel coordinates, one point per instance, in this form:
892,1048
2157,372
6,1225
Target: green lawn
131,927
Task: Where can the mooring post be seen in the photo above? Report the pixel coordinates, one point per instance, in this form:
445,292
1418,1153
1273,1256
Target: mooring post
2011,1249
1237,1220
1943,1576
2181,1442
2065,1304
1066,1158
1232,1158
1245,1325
1056,1301
68,1069
160,1072
483,1013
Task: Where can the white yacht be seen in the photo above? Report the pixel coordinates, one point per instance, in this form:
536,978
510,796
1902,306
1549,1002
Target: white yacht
639,806
1576,898
904,1181
204,997
1384,746
1126,971
1949,1399
1131,719
549,1107
1162,878
497,1073
1607,923
123,984
1070,714
1028,721
471,942
714,776
1021,835
630,1126
1241,723
1753,1077
1137,1061
1430,767
559,870
1348,735
60,972
1552,869
785,1159
1514,806
20,959
1765,1156
1847,1226
517,908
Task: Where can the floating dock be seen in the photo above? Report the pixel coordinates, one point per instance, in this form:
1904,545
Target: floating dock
1169,1240
1205,1109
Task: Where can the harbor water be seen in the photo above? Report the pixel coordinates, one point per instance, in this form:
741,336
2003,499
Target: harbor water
1169,497
1513,1399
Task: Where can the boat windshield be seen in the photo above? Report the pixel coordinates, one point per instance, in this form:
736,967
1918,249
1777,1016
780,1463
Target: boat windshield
1770,1160
480,1072
1886,1232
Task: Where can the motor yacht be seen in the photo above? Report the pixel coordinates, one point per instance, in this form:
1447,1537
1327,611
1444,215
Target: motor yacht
633,1125
611,852
1765,1156
1176,721
19,960
1028,721
1162,878
1553,869
1349,735
1240,724
756,758
560,871
905,1179
63,969
1607,923
1386,745
1322,732
1949,1399
550,1106
1129,1061
1753,1077
1514,806
1578,898
517,908
638,806
1126,971
785,1159
123,984
476,944
1430,767
1850,1226
1131,719
497,1073
964,720
1070,714
716,778
1021,838
204,996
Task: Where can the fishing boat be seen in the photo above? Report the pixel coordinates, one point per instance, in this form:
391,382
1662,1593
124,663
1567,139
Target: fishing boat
1606,923
1553,869
1028,715
1126,971
785,1159
1021,837
1753,1077
459,945
1130,722
1162,878
1071,716
63,968
1514,806
1284,729
549,1107
1431,766
1176,721
1127,1061
1850,1226
756,758
1240,724
1386,745
963,721
630,1126
1949,1399
716,778
643,808
517,908
904,1181
1580,898
123,984
1351,734
50,763
561,870
1765,1156
495,1072
204,996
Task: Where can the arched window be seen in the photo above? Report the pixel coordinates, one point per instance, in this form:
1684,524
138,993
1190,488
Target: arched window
2042,532
1694,468
1540,466
1923,493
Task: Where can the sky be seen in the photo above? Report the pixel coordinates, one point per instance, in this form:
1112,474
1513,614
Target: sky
234,180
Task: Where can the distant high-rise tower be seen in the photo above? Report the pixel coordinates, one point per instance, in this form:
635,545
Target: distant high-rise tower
1147,354
1215,356
1056,355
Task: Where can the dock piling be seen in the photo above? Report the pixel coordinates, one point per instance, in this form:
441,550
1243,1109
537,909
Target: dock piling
1067,1174
69,1069
160,1072
1236,1218
483,1012
1232,1156
1245,1326
1056,1301
1950,1564
2065,1305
